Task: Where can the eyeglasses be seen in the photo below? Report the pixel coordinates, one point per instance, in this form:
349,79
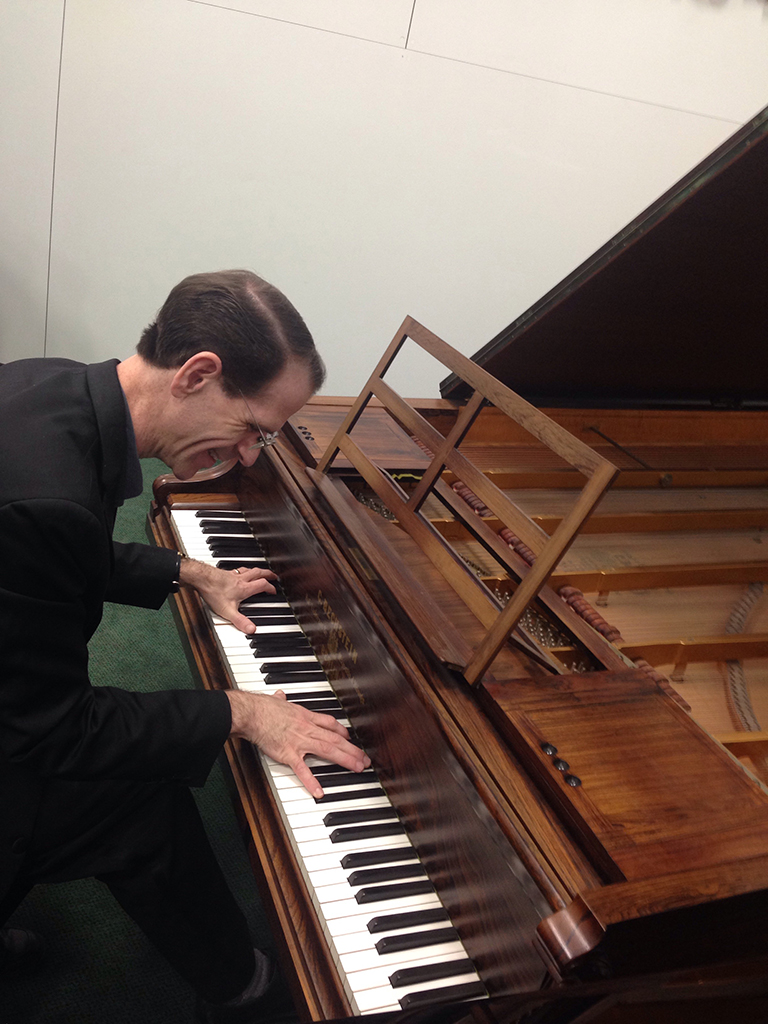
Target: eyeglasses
266,440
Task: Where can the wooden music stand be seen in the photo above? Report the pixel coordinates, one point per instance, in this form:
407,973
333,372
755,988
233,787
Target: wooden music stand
407,508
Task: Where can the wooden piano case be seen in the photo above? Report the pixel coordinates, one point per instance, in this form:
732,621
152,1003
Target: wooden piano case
572,732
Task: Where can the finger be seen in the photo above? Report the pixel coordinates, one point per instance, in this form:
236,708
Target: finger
307,779
347,756
280,694
242,623
340,737
258,585
330,724
255,573
333,745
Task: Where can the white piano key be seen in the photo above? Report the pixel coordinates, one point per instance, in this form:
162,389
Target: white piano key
321,861
309,818
359,921
336,875
286,782
379,1000
362,939
367,960
310,760
377,976
359,846
297,814
351,908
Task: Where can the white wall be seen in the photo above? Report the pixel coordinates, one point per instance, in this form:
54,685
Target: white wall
443,158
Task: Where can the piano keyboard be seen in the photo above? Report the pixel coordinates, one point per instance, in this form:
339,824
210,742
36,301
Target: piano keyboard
389,934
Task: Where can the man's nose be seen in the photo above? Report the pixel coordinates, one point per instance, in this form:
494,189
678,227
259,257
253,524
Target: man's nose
246,453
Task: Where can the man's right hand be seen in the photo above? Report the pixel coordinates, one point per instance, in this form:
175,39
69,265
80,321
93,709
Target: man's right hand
287,732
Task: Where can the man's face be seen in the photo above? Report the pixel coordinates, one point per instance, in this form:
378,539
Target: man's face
217,427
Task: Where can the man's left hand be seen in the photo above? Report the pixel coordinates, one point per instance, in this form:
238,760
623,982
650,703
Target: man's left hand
223,590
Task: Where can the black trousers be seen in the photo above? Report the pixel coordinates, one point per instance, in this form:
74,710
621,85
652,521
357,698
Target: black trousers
146,842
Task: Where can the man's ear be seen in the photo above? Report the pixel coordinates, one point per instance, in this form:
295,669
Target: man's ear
199,370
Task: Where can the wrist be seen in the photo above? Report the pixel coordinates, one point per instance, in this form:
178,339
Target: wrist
195,574
177,581
238,706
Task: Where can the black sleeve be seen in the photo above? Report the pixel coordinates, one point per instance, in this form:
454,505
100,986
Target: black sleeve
53,556
142,575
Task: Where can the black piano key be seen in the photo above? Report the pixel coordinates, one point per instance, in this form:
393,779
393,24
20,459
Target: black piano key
288,666
358,816
277,651
327,707
282,678
357,832
329,769
241,550
264,597
217,526
232,540
232,546
243,563
416,940
431,972
270,613
279,639
272,620
211,513
409,919
457,993
370,876
274,643
349,794
249,558
310,695
348,778
379,893
368,857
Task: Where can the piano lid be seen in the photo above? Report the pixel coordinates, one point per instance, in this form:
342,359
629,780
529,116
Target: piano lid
672,311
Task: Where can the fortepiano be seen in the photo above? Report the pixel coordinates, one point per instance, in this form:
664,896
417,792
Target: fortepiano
539,608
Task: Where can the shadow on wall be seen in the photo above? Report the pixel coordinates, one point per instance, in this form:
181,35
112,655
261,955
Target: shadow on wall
723,3
22,318
29,330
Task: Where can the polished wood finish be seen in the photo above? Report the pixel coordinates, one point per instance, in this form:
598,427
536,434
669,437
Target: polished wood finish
598,471
574,812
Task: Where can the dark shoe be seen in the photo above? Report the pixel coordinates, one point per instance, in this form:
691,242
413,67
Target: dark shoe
272,1006
20,949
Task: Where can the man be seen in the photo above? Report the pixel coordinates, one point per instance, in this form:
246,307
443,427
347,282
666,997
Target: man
94,781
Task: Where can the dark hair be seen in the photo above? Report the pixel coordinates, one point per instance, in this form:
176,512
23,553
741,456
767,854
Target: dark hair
247,322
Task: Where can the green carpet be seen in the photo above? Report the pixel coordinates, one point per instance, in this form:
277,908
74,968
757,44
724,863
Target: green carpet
100,969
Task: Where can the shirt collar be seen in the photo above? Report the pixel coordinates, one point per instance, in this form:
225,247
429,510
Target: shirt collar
133,483
120,469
